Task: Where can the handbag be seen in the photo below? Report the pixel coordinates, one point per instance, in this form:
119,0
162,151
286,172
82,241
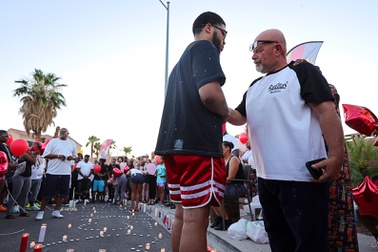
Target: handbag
235,190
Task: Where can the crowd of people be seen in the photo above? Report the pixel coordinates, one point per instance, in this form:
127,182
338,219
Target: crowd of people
60,174
291,119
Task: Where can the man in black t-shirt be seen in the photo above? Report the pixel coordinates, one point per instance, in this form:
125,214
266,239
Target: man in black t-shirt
190,136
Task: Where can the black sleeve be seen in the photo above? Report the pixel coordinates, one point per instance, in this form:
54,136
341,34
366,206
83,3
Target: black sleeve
314,87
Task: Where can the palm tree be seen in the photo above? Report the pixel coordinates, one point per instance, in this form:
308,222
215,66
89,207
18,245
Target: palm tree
96,148
361,153
91,141
40,99
127,150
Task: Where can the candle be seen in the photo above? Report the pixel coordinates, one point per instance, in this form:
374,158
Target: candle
70,250
128,231
148,245
65,238
38,247
102,233
105,229
69,225
24,242
90,220
42,233
156,211
32,244
156,224
160,236
144,207
102,250
131,227
162,250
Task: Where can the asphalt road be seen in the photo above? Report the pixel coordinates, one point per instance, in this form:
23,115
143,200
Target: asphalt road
88,228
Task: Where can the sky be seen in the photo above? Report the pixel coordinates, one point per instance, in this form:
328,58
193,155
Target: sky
111,54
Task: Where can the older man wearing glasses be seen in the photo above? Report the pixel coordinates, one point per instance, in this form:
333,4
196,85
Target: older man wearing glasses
289,111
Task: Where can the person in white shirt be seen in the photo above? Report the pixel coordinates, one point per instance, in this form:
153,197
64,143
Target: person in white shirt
59,151
84,169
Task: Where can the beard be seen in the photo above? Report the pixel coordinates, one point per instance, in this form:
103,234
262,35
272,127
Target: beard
216,41
260,68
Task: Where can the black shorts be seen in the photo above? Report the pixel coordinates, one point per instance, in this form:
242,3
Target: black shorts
56,185
137,178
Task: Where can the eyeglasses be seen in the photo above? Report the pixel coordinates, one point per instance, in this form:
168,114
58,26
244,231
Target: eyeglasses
255,44
223,31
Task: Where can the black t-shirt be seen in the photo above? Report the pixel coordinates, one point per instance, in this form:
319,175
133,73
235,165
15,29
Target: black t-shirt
102,171
187,126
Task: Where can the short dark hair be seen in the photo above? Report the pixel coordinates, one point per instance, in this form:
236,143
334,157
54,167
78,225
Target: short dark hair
228,144
87,155
374,177
206,18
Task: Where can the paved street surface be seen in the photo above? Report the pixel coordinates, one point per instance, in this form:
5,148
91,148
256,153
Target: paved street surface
83,230
83,227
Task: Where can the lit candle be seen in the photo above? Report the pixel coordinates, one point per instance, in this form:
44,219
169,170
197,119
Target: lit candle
162,250
32,244
105,229
102,250
38,247
148,245
128,231
65,238
24,242
131,227
127,217
42,233
102,233
156,224
69,225
90,220
160,236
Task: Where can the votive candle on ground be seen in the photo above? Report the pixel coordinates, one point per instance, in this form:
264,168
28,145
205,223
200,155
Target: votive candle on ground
42,233
38,247
24,242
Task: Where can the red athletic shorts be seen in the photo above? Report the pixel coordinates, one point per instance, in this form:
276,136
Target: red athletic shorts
195,181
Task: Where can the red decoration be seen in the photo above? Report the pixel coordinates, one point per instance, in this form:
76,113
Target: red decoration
366,197
97,168
243,137
44,146
158,159
19,147
223,128
117,172
3,164
24,242
10,140
360,119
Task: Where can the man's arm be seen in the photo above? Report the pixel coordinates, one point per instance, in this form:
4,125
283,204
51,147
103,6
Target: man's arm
333,134
213,98
235,118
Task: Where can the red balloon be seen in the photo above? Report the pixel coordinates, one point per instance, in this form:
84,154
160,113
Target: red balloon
97,168
10,140
243,137
117,172
19,147
3,164
158,159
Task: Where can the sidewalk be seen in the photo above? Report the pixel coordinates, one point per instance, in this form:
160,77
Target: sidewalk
220,241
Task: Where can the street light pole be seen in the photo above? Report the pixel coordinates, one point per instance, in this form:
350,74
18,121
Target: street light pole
166,48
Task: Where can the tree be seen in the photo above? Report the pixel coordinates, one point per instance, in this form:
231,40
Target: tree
40,99
96,148
91,141
127,150
361,153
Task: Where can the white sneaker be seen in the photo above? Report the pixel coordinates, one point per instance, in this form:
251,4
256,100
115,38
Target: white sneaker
86,201
56,214
33,208
77,201
40,215
15,209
